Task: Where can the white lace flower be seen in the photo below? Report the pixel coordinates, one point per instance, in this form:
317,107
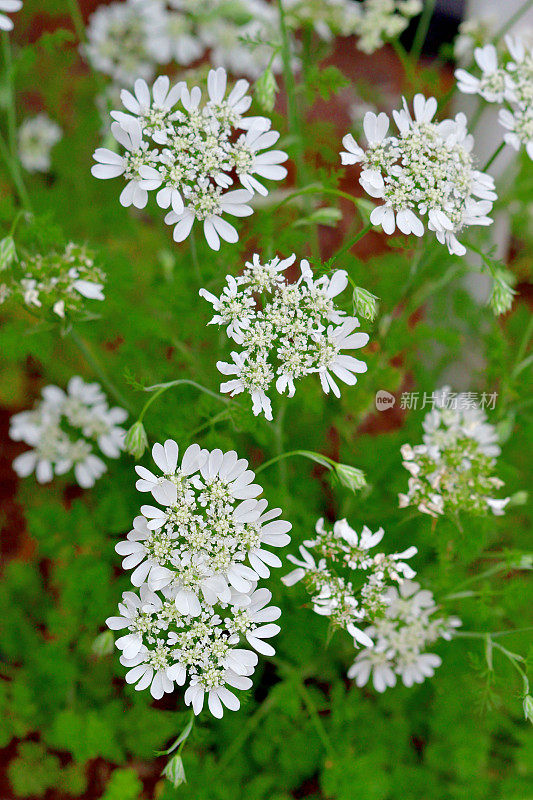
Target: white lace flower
341,554
49,427
36,138
126,40
453,470
112,165
207,523
383,20
298,330
400,638
8,6
426,171
165,644
507,81
494,85
190,153
57,282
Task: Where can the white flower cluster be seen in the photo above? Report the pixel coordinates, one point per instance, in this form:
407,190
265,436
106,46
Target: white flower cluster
58,281
400,639
334,595
426,171
191,153
329,18
508,83
8,6
50,427
472,33
297,331
132,39
36,138
383,20
453,470
198,598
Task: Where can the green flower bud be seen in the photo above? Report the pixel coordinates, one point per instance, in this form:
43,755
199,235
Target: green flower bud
265,90
104,644
351,477
365,303
501,298
174,771
8,252
136,440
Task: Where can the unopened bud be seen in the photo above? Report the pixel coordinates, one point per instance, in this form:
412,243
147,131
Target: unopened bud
351,477
265,90
136,440
365,303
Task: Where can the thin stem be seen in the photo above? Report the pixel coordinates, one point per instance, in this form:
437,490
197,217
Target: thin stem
10,152
99,371
318,189
405,58
160,388
194,255
290,89
77,19
278,433
13,167
353,241
309,704
494,156
512,20
317,457
422,30
211,421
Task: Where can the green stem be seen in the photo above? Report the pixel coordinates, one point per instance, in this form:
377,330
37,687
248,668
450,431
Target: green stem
278,433
309,704
99,371
290,89
160,388
494,156
353,241
194,255
211,421
10,152
316,457
512,20
422,30
77,19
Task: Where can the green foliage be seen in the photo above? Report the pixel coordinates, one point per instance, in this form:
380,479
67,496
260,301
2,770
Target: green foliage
67,713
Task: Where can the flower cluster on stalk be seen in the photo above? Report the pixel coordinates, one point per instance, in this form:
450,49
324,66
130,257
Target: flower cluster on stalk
132,39
453,470
286,330
57,282
197,558
400,638
383,20
36,138
191,154
507,82
348,584
63,429
426,172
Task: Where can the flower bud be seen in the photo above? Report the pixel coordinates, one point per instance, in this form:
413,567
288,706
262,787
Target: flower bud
365,303
528,707
501,298
265,90
136,440
8,252
104,644
174,771
351,477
